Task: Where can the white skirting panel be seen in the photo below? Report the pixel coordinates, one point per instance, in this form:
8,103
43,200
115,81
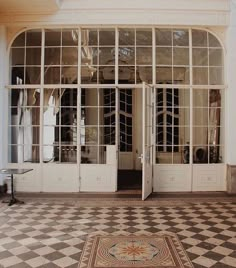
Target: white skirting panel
172,178
209,177
98,178
30,181
60,178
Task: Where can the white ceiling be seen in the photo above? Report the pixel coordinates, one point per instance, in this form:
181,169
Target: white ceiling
29,6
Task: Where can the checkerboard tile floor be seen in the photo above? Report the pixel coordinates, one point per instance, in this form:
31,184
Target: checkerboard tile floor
47,234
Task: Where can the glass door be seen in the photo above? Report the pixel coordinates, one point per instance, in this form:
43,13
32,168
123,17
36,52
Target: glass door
148,138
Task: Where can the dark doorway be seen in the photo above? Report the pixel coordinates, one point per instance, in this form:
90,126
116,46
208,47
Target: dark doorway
129,179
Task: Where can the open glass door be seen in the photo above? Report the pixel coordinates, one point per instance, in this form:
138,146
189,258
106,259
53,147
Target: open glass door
147,155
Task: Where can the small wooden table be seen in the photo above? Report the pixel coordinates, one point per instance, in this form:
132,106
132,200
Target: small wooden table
12,171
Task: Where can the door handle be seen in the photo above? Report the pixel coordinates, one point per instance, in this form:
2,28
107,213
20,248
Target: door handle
141,158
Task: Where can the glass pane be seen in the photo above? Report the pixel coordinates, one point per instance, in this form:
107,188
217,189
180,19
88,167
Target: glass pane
200,116
181,56
143,37
184,135
200,98
184,116
89,116
164,56
107,135
52,37
89,135
93,155
144,74
215,117
34,38
69,56
215,96
184,98
163,37
215,57
200,56
107,74
33,74
181,75
200,154
143,56
50,135
126,37
164,75
216,75
214,135
199,38
164,157
126,55
33,56
69,75
126,74
70,37
216,154
89,74
106,37
50,153
181,155
23,154
18,75
52,56
68,135
200,135
180,38
200,76
68,154
213,41
52,75
19,40
69,99
90,37
106,55
17,56
89,56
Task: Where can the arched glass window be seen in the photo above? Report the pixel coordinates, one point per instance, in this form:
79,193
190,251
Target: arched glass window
49,66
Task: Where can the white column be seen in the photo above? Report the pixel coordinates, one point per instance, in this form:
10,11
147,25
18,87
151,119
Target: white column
3,99
230,105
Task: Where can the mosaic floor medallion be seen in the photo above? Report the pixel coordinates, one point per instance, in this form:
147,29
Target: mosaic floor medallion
109,251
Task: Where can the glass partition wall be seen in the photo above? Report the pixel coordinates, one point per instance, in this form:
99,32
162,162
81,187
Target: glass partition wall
65,82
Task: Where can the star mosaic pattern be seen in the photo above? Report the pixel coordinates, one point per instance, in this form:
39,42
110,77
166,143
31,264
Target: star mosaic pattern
51,234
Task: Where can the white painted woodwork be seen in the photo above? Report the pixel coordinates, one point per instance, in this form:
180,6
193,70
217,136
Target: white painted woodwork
209,177
60,178
147,141
172,178
3,102
98,178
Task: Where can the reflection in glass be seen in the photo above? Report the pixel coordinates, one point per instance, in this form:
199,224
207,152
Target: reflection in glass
199,38
200,76
180,38
126,37
200,56
163,37
181,75
164,56
181,56
143,37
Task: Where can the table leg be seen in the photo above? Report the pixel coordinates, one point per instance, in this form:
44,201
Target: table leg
13,199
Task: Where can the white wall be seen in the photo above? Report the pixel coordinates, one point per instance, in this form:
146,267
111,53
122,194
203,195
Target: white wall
151,12
230,138
3,104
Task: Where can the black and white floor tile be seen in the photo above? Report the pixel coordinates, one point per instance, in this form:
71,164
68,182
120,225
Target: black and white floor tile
50,234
